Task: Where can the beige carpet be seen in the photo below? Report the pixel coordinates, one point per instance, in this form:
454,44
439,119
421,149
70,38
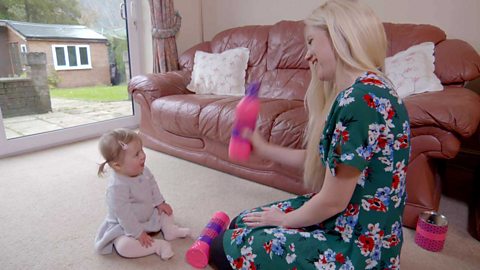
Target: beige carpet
51,203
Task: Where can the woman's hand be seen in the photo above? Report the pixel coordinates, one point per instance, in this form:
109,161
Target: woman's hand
284,155
257,141
270,216
145,240
164,208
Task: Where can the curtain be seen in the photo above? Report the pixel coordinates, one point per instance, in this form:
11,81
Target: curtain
165,25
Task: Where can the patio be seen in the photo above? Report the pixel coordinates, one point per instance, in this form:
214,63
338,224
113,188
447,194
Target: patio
65,113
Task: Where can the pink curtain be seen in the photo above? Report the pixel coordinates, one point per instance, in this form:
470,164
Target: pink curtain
165,25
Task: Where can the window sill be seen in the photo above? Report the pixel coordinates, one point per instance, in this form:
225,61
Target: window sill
72,68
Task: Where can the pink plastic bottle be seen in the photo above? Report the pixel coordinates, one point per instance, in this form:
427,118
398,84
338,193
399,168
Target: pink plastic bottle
197,255
245,117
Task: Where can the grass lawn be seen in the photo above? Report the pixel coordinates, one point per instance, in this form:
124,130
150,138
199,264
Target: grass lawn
94,93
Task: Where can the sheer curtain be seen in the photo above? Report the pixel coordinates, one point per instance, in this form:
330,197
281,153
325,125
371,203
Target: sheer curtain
165,25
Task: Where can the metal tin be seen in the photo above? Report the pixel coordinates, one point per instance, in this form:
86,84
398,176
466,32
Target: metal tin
431,231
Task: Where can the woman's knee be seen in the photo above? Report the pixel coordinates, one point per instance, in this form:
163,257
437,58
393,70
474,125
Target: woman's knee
218,258
233,223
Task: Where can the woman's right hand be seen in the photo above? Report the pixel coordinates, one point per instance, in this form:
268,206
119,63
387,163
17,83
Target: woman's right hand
284,155
257,141
145,240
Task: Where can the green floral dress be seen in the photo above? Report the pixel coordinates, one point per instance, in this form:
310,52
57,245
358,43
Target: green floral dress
370,125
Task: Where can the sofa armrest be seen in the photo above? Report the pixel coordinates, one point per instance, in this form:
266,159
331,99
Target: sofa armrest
434,142
454,109
456,62
153,86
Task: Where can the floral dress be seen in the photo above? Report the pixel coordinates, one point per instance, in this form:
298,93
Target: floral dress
369,125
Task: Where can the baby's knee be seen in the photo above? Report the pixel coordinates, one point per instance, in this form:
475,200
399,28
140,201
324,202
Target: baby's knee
125,244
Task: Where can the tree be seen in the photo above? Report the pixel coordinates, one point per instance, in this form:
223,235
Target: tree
41,11
4,6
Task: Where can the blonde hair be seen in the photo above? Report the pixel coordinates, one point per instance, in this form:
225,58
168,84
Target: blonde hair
359,41
112,145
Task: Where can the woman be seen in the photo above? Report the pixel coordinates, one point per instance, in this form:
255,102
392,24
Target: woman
356,160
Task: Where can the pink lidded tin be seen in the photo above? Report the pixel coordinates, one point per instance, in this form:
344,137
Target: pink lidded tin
431,231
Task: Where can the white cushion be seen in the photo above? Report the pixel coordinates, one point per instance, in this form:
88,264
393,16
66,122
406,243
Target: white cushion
220,74
412,71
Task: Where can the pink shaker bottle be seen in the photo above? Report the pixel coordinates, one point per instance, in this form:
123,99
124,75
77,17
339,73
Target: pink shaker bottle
245,117
197,254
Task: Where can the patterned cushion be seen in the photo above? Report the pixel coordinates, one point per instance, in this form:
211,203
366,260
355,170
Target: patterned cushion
220,74
411,71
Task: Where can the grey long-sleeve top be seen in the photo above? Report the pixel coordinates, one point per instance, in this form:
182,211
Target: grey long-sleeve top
132,200
131,205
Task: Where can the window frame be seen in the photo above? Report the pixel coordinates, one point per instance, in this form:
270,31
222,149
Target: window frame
67,58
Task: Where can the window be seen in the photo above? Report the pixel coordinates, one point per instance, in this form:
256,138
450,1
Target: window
23,48
71,57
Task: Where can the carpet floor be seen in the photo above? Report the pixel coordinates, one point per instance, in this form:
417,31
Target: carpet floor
52,203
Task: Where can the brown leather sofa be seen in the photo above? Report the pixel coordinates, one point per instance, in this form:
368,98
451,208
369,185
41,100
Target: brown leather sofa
197,127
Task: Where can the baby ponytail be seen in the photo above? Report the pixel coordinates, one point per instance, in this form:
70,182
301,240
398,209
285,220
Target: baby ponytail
101,168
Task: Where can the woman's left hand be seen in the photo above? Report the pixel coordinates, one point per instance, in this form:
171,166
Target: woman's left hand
270,216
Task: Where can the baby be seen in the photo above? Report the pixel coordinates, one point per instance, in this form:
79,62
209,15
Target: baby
135,205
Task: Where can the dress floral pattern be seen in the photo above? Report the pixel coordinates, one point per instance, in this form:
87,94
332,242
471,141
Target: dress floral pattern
367,128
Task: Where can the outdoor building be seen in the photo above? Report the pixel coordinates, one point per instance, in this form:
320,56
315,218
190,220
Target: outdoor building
76,55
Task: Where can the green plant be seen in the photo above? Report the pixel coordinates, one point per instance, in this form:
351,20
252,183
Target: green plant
118,46
53,79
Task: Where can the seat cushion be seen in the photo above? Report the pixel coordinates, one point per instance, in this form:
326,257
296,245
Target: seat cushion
212,117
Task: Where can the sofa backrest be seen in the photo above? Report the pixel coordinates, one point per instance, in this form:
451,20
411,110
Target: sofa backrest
277,54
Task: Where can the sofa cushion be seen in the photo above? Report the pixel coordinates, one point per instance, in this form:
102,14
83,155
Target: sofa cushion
286,46
412,71
287,72
253,37
273,117
220,73
285,83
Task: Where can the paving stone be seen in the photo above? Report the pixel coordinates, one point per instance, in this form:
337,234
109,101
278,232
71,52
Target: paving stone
66,113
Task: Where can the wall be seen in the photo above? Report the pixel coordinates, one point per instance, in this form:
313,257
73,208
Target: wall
26,96
191,31
458,18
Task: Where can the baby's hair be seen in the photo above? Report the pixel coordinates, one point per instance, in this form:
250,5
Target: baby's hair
112,144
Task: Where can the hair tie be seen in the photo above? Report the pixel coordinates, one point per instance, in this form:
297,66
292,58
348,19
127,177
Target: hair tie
123,145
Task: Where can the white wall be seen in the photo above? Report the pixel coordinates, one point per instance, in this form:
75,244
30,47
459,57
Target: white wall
458,18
